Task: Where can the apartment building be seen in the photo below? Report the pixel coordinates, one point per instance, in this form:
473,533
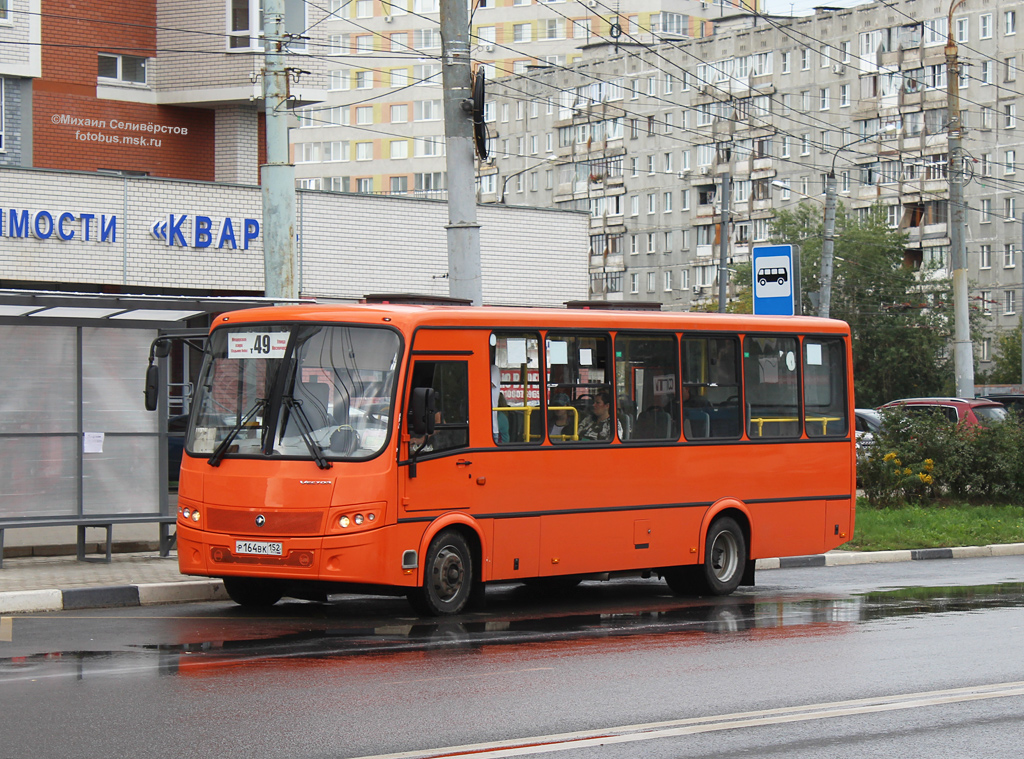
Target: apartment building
381,128
644,137
166,88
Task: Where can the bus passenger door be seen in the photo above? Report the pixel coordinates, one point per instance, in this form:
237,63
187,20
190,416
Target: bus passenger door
439,475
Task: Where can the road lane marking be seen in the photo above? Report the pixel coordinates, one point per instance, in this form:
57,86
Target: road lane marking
542,744
6,629
468,676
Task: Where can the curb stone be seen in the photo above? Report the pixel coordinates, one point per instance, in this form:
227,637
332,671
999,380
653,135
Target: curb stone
147,594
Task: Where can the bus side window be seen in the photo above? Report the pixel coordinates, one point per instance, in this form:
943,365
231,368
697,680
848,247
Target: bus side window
647,377
824,383
771,379
711,388
515,389
580,375
450,379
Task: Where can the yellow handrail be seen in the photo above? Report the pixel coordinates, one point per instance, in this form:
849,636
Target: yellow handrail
528,412
760,421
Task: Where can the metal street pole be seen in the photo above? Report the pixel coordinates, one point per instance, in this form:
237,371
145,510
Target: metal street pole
963,351
1022,300
723,240
277,176
464,271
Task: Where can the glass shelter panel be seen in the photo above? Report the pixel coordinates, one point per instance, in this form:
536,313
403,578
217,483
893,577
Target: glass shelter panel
39,377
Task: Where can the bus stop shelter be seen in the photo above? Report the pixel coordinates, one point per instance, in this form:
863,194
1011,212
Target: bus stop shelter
77,446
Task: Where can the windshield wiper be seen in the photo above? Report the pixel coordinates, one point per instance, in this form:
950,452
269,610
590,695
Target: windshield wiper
306,432
218,454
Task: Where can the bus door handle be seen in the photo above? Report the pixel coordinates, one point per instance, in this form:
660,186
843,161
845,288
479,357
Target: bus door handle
463,462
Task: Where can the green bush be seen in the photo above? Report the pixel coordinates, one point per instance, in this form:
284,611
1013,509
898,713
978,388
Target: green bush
921,457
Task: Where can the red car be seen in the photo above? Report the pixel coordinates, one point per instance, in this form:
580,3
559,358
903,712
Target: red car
968,411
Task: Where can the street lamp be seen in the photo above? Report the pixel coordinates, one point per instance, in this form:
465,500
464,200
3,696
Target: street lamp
828,242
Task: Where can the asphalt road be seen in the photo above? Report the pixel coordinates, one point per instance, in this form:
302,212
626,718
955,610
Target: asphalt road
912,659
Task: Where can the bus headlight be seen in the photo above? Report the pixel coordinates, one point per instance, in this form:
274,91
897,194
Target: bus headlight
359,519
344,521
195,515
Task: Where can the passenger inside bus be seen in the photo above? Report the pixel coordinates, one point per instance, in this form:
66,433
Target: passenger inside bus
597,425
560,425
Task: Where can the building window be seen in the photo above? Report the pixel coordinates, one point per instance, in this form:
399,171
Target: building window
985,257
1009,303
364,151
785,63
1009,115
668,281
399,149
399,185
986,210
986,302
823,99
364,80
123,69
667,202
1009,23
521,32
985,26
1008,256
1010,209
634,283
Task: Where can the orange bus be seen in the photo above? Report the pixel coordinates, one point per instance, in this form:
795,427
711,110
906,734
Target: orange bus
431,450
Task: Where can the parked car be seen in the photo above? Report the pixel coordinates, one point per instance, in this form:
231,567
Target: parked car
868,422
1012,402
968,411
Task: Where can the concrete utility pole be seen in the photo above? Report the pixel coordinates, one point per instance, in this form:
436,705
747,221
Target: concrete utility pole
829,232
723,240
277,176
464,277
963,350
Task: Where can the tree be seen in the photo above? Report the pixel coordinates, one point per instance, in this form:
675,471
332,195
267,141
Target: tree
1006,365
900,318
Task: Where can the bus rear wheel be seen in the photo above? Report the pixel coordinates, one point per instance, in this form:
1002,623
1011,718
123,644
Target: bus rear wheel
725,558
253,593
447,576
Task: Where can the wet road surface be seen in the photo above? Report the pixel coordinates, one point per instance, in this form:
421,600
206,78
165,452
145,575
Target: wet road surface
849,661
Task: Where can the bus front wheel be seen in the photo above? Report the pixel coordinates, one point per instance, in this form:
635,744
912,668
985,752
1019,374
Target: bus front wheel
447,576
253,593
725,558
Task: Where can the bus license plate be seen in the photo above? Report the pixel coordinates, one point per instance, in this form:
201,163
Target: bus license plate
259,548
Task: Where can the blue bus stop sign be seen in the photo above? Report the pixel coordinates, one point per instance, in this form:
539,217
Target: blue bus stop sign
773,280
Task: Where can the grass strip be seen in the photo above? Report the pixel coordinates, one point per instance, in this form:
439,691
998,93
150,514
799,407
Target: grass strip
936,526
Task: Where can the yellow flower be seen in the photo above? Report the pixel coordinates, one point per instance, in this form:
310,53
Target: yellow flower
925,478
907,471
929,465
890,456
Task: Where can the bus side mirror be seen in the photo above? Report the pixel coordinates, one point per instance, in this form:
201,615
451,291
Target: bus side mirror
424,406
152,391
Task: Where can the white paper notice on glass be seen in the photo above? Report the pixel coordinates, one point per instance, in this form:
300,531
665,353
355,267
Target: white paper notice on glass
558,352
516,352
813,354
586,357
92,442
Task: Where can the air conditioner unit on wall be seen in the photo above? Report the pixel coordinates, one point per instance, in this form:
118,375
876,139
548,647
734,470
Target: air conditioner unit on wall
592,3
703,170
838,69
489,47
388,19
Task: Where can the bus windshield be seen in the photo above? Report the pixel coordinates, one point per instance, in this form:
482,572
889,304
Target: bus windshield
301,390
